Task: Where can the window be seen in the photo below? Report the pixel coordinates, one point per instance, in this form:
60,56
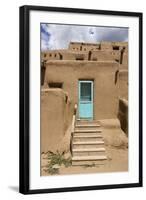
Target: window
85,91
43,69
80,57
61,57
115,48
55,85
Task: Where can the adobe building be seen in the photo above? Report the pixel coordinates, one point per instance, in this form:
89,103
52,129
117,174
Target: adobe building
91,78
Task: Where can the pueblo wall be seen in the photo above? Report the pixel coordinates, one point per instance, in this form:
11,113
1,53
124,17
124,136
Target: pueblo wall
101,55
123,114
56,116
103,75
123,99
104,51
123,83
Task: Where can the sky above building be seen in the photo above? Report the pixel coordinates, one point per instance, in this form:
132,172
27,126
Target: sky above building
54,36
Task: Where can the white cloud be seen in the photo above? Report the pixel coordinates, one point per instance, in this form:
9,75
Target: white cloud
59,36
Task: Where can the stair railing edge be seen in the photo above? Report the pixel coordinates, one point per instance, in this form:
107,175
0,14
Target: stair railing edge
73,125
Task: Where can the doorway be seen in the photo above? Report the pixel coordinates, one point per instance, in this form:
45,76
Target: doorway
85,99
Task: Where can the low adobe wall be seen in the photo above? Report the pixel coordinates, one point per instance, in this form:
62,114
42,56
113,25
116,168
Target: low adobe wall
101,55
123,114
56,117
123,83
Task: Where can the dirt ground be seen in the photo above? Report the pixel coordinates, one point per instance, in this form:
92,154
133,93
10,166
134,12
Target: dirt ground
116,144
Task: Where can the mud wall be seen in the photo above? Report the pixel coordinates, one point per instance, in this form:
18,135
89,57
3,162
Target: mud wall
56,117
123,114
103,75
101,55
123,84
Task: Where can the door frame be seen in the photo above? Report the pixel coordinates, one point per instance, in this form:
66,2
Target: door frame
92,96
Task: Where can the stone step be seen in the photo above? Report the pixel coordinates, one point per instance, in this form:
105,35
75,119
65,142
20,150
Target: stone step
81,121
87,139
88,151
93,158
92,153
87,131
87,144
87,135
88,160
87,125
88,163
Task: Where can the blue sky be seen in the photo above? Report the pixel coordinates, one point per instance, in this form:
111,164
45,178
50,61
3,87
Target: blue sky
54,36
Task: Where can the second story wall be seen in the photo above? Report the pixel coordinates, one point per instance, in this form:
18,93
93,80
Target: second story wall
104,51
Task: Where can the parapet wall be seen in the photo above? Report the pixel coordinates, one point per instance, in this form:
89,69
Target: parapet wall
123,84
56,116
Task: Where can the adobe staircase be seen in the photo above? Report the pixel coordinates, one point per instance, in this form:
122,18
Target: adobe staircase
88,144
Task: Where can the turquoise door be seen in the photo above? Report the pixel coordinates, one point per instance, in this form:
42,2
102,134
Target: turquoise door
86,99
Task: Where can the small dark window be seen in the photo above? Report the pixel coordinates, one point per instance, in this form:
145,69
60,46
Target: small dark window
55,85
79,58
42,75
115,48
55,55
60,56
117,60
45,55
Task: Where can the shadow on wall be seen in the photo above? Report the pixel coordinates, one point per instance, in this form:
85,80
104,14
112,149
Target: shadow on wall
43,70
123,114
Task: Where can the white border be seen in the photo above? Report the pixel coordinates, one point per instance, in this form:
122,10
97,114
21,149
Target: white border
38,182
